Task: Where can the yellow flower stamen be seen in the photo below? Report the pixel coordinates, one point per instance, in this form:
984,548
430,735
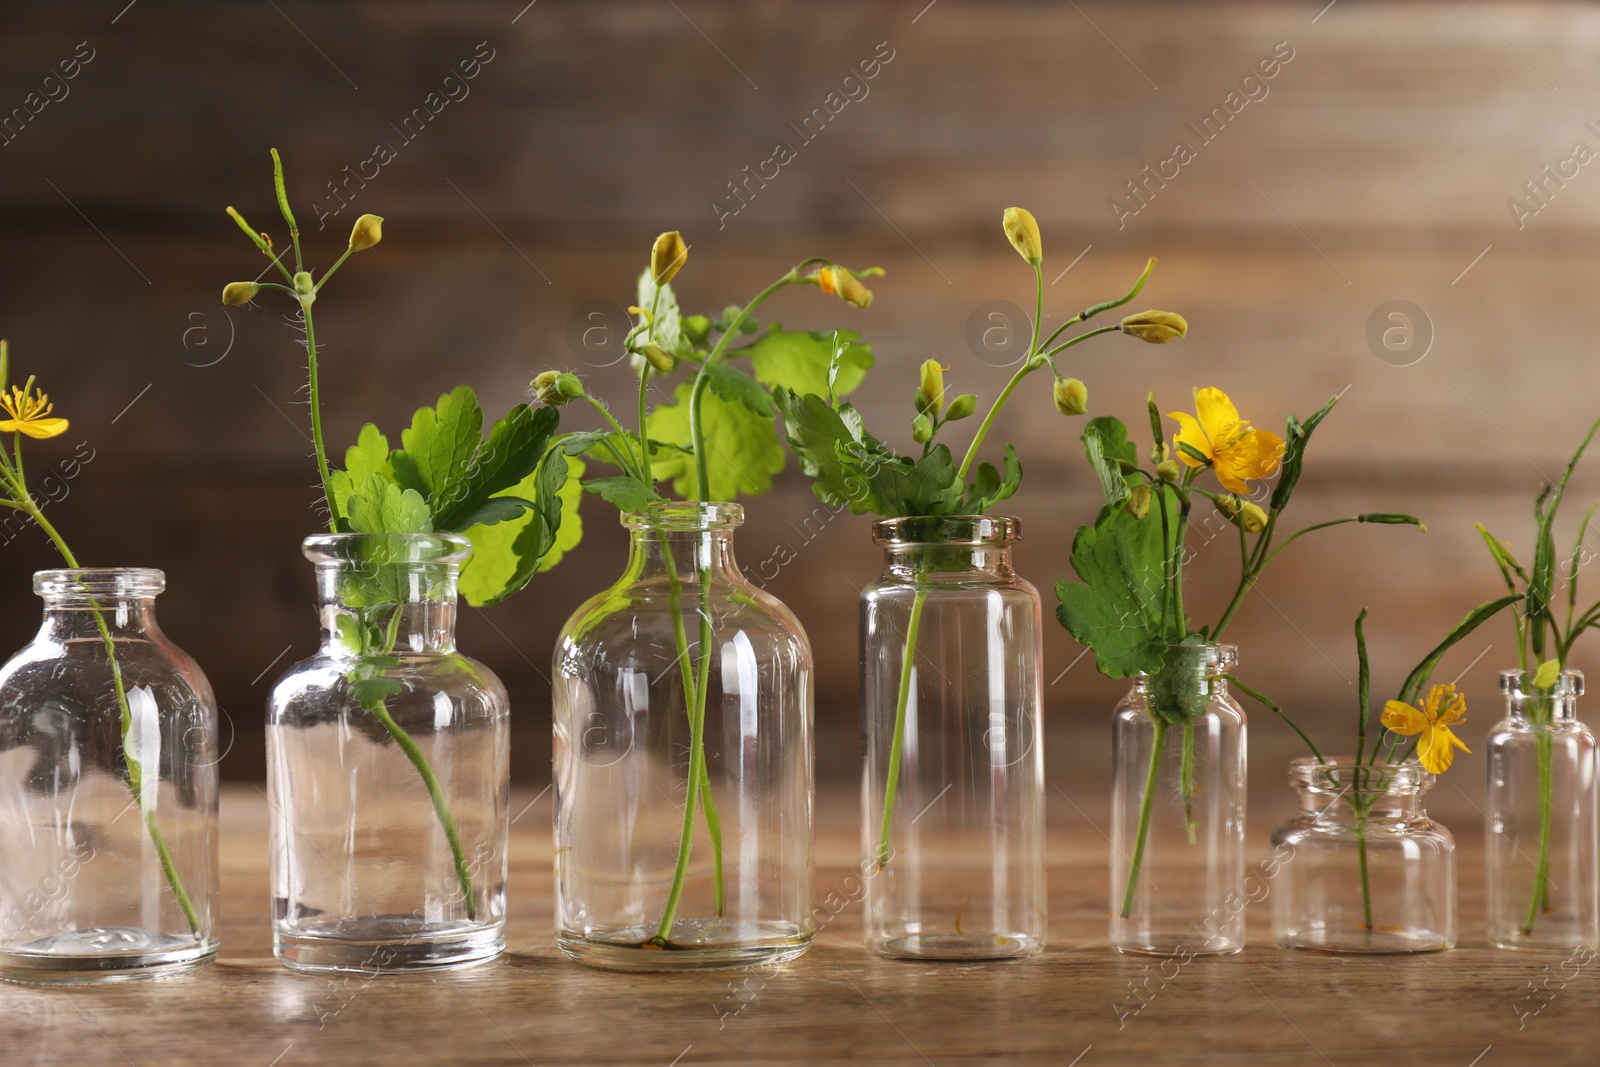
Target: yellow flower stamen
30,414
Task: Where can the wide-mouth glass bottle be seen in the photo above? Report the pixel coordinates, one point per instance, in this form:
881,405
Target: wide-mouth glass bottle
108,789
952,831
683,704
387,770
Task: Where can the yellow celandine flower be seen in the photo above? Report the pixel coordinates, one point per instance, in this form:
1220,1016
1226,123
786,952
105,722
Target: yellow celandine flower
29,414
1238,452
1443,708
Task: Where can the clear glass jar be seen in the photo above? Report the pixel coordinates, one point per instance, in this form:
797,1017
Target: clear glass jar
1363,870
1178,808
683,811
1543,795
108,790
952,832
387,770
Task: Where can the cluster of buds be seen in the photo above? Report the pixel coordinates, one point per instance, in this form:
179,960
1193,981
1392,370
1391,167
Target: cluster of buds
367,232
932,411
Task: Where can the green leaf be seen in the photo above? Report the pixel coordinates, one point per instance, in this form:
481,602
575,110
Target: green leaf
515,446
988,488
1423,671
437,449
623,491
813,430
798,360
506,555
742,451
930,486
1542,574
1116,607
1105,442
380,506
1296,438
369,455
737,387
495,510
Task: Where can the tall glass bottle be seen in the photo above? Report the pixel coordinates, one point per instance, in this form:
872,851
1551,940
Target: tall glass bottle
952,832
683,704
1178,809
108,789
1544,884
387,770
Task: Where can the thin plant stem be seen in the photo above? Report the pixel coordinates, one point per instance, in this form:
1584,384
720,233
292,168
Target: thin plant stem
1186,778
897,743
1146,806
1366,884
316,417
1541,876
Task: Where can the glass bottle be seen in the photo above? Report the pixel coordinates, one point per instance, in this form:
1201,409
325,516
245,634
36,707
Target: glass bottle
1542,815
1178,809
387,770
1362,869
952,832
108,790
682,759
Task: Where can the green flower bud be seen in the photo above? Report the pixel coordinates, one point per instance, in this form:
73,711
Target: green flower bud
1157,327
367,232
668,256
1023,232
557,387
696,328
1228,504
921,429
239,292
1167,471
1138,502
930,389
1071,396
1159,452
1252,518
961,407
657,357
303,285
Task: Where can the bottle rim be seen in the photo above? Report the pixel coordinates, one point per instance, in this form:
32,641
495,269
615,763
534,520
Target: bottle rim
110,583
957,530
358,549
1515,683
1309,774
685,516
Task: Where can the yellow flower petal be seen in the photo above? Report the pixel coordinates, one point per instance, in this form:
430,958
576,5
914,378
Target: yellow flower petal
39,428
1190,433
1217,413
1434,752
1403,719
1268,449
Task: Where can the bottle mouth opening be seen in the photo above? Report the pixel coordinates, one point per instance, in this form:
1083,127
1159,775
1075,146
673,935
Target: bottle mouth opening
685,516
370,549
1569,683
100,583
967,530
1339,774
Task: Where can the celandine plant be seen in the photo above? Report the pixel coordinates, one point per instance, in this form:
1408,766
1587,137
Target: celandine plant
1178,738
1370,872
407,526
1542,778
683,683
100,714
950,649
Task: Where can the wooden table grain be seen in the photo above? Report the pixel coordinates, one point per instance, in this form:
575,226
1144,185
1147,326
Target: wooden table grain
1075,1004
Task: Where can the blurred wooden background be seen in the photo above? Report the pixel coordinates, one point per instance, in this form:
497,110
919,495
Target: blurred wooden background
1375,165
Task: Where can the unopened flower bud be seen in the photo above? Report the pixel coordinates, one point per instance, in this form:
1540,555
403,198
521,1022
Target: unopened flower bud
961,407
1023,232
1071,396
657,357
303,284
930,387
667,256
1157,327
239,292
1167,471
367,232
557,387
1228,504
921,429
1159,452
1252,517
1138,502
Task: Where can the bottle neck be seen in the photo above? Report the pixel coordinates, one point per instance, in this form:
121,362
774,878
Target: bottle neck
935,562
688,555
1530,704
395,608
1340,792
74,618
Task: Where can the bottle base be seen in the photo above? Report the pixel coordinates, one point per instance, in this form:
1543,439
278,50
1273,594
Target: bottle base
1517,941
387,944
695,945
1368,943
1178,948
104,954
958,948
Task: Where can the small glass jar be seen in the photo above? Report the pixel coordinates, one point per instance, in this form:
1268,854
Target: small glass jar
1543,795
682,759
108,790
1178,808
387,770
952,832
1362,868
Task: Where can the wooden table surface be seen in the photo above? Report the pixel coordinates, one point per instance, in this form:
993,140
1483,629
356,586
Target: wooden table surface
1072,1005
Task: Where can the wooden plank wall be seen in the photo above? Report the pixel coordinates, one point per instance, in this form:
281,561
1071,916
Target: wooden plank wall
1375,164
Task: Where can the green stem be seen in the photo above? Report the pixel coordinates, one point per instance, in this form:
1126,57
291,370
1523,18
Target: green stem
1186,778
1146,805
316,418
897,743
1366,884
1541,877
1029,365
644,440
